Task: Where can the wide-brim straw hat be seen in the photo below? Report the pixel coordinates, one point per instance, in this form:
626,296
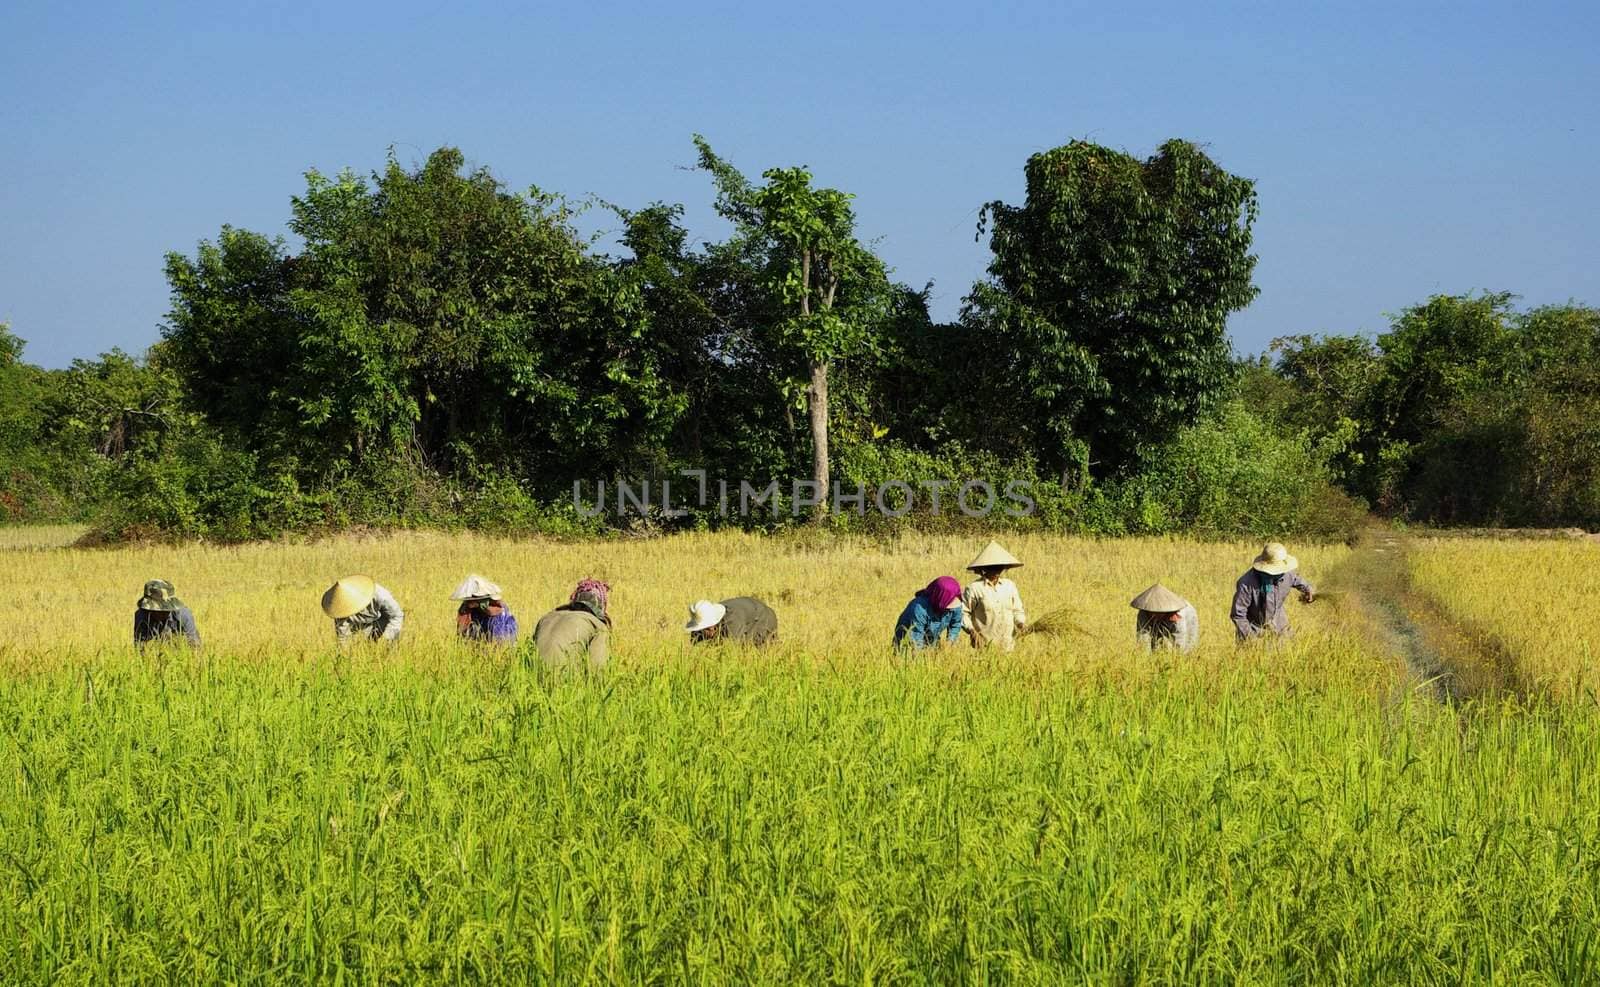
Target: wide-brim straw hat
349,596
705,614
993,557
159,595
1274,560
477,588
1158,599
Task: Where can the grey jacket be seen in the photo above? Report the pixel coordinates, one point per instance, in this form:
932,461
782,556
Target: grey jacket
1259,605
380,621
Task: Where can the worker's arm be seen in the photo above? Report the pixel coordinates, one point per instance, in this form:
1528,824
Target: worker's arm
1241,611
599,649
1016,610
1188,629
390,608
190,629
956,619
1295,582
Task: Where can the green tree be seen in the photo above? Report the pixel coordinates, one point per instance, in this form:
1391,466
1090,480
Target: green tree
432,318
1333,381
709,309
1109,293
1438,356
834,288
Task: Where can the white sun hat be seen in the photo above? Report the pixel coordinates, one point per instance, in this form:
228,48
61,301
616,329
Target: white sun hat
705,614
1274,560
476,588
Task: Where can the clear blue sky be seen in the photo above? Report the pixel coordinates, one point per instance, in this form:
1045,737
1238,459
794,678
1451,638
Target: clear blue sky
1400,149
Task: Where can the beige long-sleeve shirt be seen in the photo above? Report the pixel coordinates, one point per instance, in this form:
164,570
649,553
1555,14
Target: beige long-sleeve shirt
992,613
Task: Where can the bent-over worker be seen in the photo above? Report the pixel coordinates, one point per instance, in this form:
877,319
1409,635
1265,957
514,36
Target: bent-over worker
483,614
160,617
1165,620
577,634
933,616
360,607
1261,595
741,619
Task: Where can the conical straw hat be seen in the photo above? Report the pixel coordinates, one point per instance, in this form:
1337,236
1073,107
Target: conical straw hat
348,597
475,587
994,556
1274,560
1159,599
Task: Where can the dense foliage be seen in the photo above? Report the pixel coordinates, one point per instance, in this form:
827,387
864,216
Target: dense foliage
439,350
1466,412
1111,287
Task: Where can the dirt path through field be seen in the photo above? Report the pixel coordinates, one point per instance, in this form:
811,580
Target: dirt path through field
1446,660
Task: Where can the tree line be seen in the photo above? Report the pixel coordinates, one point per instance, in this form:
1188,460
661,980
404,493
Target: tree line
439,349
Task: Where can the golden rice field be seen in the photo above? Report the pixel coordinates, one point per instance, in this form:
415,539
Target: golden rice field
1531,599
836,599
819,812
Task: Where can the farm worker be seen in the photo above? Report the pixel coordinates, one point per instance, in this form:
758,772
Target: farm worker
991,607
359,606
932,617
1166,620
160,617
742,619
483,614
578,633
1260,596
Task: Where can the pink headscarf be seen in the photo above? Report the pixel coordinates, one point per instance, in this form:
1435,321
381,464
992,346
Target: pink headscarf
942,592
596,587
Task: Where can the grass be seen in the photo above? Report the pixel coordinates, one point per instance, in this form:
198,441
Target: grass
820,812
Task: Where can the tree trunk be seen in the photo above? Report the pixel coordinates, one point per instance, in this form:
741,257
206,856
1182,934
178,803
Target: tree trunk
818,401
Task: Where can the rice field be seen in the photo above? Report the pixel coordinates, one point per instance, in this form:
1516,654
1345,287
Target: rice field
1529,599
822,811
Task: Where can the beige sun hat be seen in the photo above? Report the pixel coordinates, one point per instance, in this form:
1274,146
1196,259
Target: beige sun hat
477,588
1274,560
349,596
705,614
1158,599
993,556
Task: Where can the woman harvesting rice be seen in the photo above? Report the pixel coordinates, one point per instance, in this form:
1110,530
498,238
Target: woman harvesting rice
932,617
991,607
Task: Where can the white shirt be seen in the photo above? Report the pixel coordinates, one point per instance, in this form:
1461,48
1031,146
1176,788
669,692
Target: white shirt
992,613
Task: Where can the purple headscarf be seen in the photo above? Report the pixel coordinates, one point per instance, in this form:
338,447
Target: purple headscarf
942,592
596,587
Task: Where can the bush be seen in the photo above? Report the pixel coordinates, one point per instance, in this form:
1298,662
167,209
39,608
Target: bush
1234,474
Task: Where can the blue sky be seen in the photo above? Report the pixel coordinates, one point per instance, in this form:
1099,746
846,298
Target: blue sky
1400,149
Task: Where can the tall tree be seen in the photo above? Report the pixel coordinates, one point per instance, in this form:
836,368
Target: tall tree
1109,295
432,318
833,286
